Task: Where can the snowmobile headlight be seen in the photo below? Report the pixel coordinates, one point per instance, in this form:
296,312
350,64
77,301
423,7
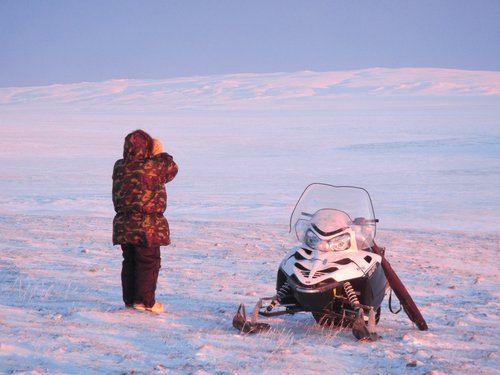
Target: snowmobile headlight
340,243
311,239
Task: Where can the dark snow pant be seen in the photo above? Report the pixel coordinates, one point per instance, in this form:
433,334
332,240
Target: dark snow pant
140,269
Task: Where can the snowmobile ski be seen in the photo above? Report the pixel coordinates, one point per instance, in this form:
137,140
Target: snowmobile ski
241,323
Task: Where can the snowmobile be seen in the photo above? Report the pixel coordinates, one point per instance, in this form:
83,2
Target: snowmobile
337,273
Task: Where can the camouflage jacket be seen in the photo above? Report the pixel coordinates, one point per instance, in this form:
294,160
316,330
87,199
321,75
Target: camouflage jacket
139,194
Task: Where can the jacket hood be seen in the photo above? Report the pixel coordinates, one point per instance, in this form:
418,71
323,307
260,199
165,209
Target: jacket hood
138,145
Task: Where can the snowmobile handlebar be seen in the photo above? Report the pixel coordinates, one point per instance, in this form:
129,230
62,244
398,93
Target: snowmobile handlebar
356,221
363,221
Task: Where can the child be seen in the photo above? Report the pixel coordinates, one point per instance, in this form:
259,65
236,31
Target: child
140,199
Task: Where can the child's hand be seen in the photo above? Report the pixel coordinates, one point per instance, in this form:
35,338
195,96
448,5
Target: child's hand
157,147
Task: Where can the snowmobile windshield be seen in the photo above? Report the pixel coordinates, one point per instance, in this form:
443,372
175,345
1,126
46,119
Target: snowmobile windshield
335,218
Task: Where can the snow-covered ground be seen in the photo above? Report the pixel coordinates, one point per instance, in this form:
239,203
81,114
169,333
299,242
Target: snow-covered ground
424,142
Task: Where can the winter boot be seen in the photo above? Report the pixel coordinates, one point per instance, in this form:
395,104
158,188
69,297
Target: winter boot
156,308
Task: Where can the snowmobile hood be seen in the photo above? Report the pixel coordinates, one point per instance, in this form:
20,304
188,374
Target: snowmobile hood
138,145
327,222
314,267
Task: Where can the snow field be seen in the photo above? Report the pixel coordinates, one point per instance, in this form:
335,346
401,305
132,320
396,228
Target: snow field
424,142
62,313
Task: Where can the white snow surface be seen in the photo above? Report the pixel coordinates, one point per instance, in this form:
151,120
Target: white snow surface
424,142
